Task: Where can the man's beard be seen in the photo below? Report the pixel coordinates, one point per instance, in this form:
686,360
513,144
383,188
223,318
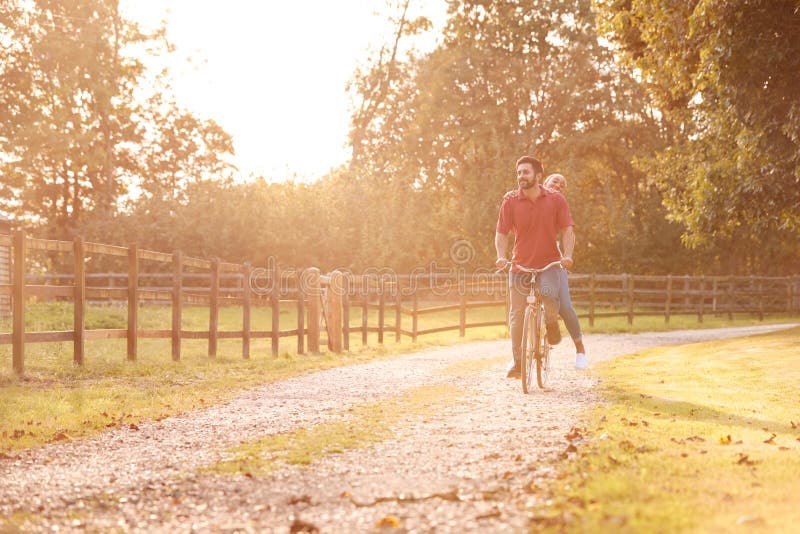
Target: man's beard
527,184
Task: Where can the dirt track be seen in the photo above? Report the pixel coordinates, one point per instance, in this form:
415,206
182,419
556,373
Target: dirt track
473,463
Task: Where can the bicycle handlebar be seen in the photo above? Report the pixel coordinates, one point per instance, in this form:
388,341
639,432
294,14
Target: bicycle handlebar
529,269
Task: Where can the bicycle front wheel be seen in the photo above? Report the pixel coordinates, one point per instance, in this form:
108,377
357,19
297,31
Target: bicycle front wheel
542,351
528,352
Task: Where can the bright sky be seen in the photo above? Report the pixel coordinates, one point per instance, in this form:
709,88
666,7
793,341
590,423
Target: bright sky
273,73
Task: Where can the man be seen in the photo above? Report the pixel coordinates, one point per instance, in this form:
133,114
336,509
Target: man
557,183
536,215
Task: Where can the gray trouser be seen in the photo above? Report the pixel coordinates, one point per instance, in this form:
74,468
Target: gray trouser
554,289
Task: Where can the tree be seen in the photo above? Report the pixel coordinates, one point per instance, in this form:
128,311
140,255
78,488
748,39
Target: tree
66,108
80,130
512,78
724,75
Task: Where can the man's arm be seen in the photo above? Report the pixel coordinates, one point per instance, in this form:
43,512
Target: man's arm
568,240
501,246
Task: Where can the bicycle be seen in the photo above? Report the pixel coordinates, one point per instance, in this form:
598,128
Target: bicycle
535,348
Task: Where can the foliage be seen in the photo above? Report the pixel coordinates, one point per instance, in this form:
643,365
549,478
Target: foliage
77,130
510,79
724,74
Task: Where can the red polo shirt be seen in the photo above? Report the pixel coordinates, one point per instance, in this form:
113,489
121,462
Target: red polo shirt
535,225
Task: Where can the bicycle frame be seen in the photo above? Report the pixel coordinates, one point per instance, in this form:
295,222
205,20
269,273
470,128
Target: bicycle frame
535,348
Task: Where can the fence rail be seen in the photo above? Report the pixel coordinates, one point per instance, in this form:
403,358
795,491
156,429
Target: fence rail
324,302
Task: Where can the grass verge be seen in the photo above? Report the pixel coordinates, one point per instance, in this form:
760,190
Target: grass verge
702,437
360,426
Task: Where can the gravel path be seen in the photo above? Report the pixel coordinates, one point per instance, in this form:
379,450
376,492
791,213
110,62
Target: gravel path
473,464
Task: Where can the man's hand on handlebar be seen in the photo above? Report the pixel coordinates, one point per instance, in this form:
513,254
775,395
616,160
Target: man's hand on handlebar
500,263
567,262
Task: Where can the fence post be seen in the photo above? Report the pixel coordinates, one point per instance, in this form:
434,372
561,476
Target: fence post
177,303
630,298
346,312
686,297
398,309
301,313
415,316
714,287
18,303
79,339
335,311
760,298
591,299
668,302
701,304
312,281
462,309
275,305
730,297
213,314
364,310
381,309
247,271
133,301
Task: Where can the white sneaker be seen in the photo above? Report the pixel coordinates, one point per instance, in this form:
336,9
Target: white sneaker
580,361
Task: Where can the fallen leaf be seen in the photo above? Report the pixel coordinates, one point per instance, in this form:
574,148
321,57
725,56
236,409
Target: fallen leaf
725,440
645,423
577,501
684,454
574,433
132,426
794,425
60,436
696,438
389,521
782,448
298,525
744,459
771,440
493,514
642,395
613,460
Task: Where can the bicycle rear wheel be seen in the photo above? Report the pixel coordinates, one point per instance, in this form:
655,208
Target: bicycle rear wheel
542,351
528,352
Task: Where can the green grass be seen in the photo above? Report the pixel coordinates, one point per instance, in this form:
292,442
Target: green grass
698,438
361,425
56,399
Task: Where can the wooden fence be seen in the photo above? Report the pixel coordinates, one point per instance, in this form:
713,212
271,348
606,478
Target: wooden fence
323,302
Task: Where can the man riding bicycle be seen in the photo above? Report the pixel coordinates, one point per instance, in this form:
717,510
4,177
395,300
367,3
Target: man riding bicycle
535,215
